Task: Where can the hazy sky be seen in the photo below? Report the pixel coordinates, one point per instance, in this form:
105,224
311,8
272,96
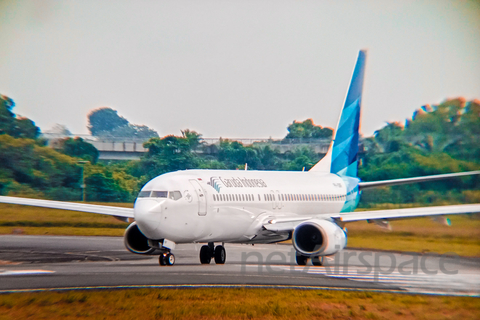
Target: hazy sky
234,68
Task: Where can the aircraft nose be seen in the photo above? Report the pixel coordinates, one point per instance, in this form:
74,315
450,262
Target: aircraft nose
147,215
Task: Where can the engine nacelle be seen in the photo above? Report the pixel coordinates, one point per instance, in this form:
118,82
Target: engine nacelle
135,241
318,237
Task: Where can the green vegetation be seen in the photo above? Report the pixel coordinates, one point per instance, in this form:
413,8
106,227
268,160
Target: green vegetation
420,235
308,130
105,122
438,139
14,126
78,148
236,303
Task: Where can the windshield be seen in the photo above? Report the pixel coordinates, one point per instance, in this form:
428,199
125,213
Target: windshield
159,194
144,194
174,195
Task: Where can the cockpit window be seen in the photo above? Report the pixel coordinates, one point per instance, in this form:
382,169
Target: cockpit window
174,195
144,194
159,194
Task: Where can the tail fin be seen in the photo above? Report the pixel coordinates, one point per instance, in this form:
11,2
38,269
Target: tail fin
341,157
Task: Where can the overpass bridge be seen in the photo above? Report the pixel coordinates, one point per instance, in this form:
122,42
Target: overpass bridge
132,149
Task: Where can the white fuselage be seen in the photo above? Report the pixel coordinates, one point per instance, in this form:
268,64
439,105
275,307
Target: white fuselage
233,205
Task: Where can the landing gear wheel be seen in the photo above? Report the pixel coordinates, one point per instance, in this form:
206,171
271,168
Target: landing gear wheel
220,255
162,259
170,259
205,255
301,260
317,261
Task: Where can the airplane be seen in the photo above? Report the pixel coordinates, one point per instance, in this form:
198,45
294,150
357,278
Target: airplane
230,206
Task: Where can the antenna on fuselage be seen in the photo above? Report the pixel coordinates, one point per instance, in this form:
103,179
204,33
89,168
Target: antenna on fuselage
246,166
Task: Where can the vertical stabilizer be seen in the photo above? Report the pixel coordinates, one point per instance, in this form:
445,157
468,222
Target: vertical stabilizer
341,157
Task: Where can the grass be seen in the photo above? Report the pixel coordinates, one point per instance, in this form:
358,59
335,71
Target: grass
419,235
238,303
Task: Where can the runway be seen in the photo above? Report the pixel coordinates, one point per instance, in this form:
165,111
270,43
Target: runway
52,263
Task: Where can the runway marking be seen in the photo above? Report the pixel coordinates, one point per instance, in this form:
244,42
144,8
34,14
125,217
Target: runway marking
24,272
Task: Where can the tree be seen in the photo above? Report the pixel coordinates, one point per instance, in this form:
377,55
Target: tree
24,165
16,127
194,139
79,148
105,120
301,158
388,139
101,186
7,117
235,155
170,153
307,130
59,129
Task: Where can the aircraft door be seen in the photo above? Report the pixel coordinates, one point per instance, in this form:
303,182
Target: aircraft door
279,200
274,199
201,196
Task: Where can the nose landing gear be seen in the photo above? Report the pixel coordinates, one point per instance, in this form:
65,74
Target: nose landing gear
209,251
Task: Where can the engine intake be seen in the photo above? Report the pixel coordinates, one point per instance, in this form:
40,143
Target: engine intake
135,241
318,237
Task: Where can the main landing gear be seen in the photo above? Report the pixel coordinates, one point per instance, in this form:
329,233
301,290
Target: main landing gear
166,259
302,260
209,251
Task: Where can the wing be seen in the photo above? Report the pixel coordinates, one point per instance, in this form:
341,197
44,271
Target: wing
375,184
108,210
408,213
288,224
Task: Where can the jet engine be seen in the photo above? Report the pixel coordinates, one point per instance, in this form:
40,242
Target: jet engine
318,237
135,241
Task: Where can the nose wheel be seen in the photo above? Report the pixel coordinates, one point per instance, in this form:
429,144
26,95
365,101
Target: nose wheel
209,251
166,259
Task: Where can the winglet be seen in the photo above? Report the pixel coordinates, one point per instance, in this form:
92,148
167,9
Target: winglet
341,157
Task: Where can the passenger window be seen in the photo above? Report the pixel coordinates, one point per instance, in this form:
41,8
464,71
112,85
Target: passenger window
159,194
143,194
